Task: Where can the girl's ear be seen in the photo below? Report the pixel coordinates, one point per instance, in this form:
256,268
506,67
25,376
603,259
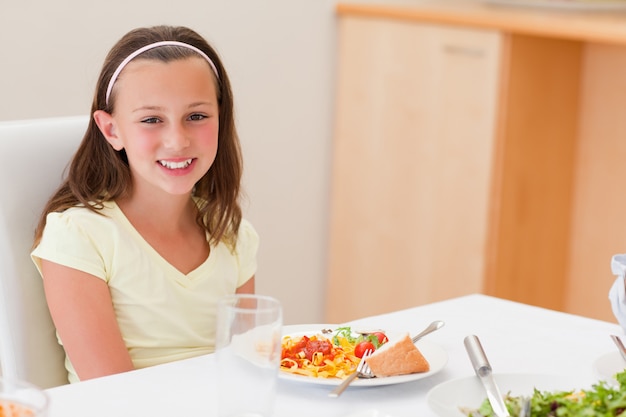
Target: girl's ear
107,126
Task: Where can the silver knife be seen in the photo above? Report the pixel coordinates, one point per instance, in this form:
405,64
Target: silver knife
620,346
483,370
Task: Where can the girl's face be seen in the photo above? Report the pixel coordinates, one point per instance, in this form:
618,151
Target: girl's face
166,119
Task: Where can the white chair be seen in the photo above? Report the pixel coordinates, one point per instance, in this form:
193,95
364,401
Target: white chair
35,154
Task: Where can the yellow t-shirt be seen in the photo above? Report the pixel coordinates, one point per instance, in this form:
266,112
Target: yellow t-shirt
163,314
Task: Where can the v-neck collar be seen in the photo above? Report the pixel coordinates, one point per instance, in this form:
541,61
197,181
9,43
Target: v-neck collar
183,278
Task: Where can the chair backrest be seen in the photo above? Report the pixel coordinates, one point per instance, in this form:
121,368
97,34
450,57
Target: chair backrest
35,154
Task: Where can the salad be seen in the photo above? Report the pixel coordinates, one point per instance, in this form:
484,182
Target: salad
332,354
362,342
601,400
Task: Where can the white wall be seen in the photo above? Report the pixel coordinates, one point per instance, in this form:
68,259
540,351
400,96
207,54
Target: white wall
280,56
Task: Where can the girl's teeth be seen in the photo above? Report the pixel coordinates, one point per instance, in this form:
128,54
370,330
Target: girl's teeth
175,165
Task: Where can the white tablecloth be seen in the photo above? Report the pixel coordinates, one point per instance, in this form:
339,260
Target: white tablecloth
516,338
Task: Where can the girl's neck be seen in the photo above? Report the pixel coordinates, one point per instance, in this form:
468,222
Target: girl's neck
172,213
168,224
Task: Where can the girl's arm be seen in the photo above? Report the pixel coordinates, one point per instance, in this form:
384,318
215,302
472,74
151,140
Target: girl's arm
82,311
247,288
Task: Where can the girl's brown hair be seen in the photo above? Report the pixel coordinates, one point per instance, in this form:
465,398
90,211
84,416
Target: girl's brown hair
98,173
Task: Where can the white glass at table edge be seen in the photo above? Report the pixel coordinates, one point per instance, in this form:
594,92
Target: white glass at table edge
434,354
22,399
520,339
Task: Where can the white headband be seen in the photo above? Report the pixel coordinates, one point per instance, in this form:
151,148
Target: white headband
147,48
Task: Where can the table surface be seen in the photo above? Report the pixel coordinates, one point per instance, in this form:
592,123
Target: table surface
517,338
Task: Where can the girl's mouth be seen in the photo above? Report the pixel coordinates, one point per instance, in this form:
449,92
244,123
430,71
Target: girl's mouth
175,164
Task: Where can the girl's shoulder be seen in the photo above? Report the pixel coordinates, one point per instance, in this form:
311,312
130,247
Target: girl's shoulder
98,213
247,237
246,229
79,226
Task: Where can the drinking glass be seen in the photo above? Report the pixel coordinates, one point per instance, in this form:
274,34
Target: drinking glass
21,399
247,352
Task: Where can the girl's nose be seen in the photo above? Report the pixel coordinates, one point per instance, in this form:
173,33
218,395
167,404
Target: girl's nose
177,137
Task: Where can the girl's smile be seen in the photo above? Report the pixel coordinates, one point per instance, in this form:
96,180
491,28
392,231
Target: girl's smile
182,167
176,165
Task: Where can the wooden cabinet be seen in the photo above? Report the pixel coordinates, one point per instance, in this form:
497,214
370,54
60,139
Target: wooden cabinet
412,163
464,142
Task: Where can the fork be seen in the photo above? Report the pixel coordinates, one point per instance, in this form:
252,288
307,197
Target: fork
525,408
523,412
362,371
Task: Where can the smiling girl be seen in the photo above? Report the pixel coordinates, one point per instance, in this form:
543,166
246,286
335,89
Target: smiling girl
146,233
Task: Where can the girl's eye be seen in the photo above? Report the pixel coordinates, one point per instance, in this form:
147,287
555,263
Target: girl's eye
197,116
151,120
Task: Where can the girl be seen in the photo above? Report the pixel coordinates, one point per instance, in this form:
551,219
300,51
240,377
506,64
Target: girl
146,232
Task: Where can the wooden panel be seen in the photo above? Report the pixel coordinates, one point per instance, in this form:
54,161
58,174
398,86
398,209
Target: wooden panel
412,164
532,197
599,209
556,210
532,21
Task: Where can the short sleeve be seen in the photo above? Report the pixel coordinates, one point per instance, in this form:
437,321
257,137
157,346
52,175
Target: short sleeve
66,242
247,248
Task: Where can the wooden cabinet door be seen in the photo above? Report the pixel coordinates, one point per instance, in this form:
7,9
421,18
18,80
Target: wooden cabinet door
412,163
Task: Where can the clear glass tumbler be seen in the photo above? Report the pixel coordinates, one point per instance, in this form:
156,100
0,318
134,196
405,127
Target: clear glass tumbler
247,349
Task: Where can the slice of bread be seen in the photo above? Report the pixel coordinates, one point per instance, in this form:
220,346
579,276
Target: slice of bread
399,357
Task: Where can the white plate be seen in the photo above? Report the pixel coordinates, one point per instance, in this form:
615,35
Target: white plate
607,365
588,5
368,413
446,398
434,354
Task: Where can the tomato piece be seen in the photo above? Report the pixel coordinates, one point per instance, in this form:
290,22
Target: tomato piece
361,348
314,346
382,338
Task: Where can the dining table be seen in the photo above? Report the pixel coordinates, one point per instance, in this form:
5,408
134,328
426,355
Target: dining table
517,338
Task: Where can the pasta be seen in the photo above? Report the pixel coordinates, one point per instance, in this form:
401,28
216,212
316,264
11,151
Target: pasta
318,357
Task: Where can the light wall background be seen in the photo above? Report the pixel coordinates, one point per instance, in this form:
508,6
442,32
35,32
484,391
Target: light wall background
280,55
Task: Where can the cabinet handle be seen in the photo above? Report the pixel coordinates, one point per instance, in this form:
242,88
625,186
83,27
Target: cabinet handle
464,50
